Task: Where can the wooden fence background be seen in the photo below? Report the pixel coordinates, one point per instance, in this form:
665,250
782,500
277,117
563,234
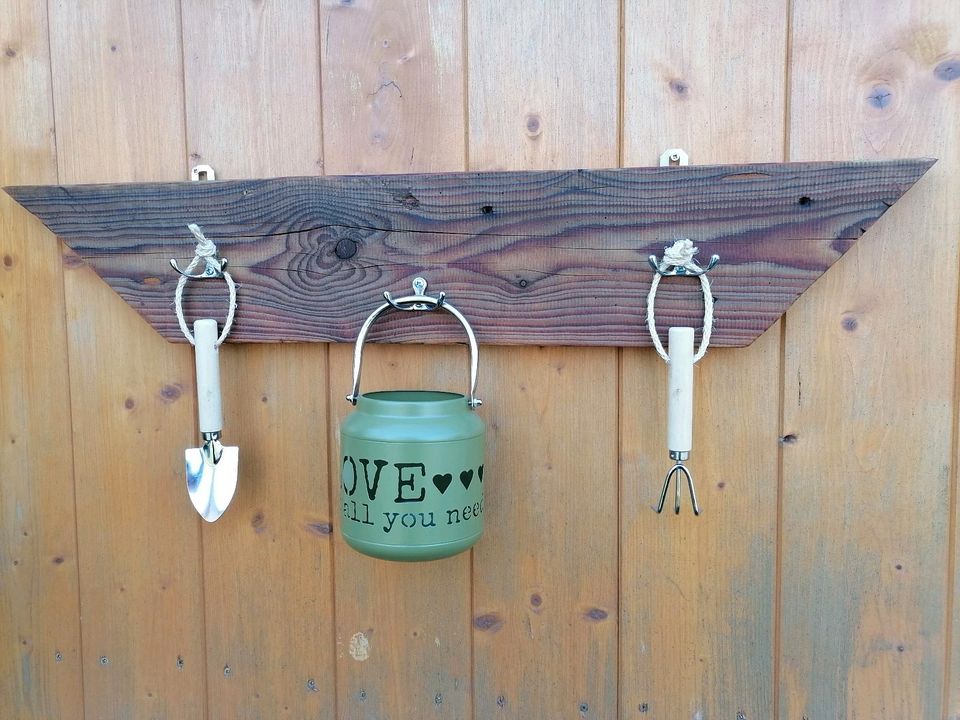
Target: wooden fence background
819,583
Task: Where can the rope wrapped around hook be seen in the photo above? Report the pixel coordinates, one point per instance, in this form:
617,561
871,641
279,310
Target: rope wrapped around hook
214,266
680,256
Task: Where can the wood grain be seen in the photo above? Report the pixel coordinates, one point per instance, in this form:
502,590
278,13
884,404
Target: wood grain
249,114
870,356
698,593
866,361
545,611
139,537
403,629
40,672
312,253
268,560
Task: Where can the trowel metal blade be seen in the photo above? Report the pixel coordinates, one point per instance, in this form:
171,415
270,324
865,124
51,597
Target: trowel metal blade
211,485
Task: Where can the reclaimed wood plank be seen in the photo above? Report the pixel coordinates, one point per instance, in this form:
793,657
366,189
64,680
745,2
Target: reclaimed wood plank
307,250
40,671
119,117
403,629
698,593
545,612
268,560
870,354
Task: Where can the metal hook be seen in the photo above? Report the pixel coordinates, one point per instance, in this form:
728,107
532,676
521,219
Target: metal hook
213,268
680,270
418,301
678,471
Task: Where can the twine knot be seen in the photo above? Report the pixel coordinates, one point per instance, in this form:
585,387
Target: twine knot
680,254
206,252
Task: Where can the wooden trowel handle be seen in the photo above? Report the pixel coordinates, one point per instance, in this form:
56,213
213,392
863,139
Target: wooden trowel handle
208,376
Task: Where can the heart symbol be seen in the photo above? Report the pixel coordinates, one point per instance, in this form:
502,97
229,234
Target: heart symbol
466,477
480,473
442,482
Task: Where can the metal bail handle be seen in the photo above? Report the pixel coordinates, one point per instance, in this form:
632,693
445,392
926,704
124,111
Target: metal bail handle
418,302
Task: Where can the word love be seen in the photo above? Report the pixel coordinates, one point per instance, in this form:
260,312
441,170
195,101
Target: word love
411,485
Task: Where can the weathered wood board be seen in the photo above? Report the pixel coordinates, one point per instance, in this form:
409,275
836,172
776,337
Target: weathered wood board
548,258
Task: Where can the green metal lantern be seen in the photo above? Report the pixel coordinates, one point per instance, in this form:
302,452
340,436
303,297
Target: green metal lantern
411,474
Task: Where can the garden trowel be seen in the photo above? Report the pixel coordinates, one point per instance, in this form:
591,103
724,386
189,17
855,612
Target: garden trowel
212,468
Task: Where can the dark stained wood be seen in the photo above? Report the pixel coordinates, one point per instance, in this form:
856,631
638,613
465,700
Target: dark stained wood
548,258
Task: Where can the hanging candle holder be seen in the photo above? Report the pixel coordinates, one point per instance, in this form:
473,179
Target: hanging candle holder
412,460
678,260
211,469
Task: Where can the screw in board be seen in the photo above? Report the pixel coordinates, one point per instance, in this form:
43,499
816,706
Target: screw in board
674,156
201,173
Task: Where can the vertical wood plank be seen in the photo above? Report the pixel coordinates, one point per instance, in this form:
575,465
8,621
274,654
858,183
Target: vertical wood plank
119,115
393,86
40,671
543,85
870,353
253,87
952,688
268,561
697,593
392,101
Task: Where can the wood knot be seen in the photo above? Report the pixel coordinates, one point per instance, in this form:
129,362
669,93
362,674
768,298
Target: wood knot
407,199
533,125
948,70
345,248
679,88
880,97
171,392
595,614
490,622
320,529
